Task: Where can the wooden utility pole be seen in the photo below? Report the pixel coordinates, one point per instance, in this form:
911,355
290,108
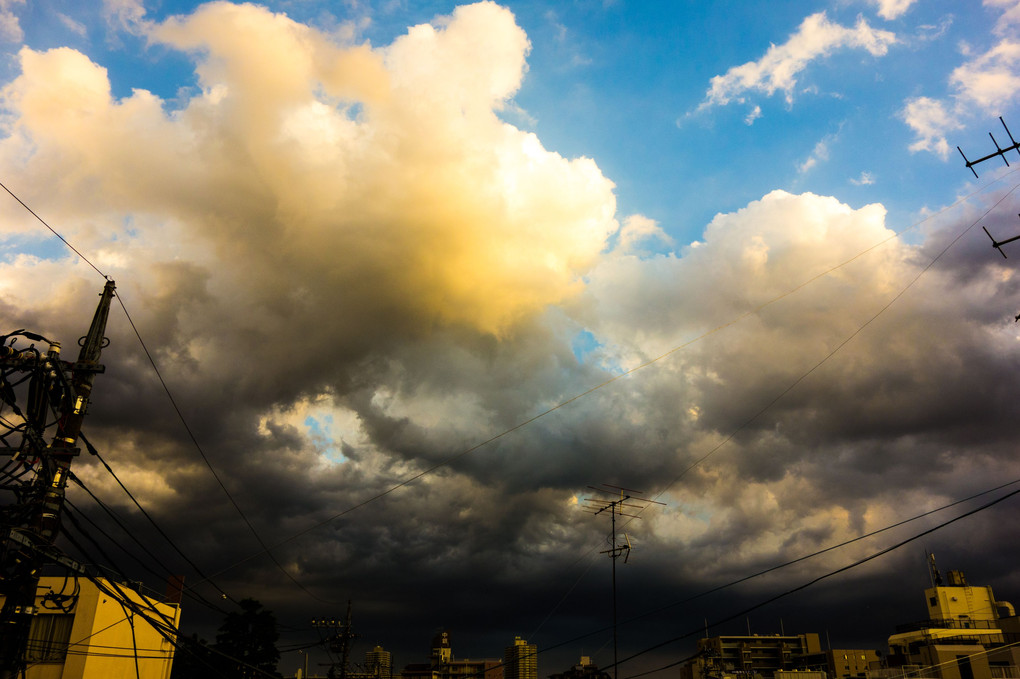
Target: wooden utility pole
31,524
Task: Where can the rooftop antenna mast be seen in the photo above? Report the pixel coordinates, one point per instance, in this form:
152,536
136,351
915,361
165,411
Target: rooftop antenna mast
997,244
625,499
933,571
1001,153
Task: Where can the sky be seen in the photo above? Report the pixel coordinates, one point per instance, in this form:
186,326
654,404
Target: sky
418,275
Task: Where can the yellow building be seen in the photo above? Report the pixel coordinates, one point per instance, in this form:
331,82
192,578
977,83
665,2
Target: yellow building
82,632
759,655
842,663
963,637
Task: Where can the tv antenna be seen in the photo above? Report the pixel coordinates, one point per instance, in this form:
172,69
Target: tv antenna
999,151
997,244
625,500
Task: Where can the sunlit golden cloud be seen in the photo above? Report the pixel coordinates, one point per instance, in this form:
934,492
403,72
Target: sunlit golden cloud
375,176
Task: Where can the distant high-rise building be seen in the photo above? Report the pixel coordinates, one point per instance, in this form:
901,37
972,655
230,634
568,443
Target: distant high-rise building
378,663
520,661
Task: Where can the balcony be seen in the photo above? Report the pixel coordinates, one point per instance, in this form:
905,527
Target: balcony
947,624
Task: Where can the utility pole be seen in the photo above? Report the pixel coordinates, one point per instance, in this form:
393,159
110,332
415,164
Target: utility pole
341,638
346,637
597,506
31,524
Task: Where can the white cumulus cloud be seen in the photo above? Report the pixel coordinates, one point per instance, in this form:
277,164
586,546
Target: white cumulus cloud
892,9
781,65
1010,17
984,84
126,15
930,120
10,24
381,171
990,79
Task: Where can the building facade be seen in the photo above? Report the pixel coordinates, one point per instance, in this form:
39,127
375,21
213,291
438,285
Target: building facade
378,663
757,654
964,636
81,631
585,669
442,664
843,663
520,661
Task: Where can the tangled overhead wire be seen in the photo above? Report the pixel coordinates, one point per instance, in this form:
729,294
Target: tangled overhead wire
32,385
62,601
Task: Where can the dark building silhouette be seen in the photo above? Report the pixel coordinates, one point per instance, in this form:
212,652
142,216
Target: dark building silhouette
757,654
443,665
378,663
585,669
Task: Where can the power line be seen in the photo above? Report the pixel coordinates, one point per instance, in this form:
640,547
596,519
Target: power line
165,625
173,402
54,232
194,440
453,458
839,346
117,543
165,630
814,581
267,549
796,382
746,423
198,598
820,552
146,514
777,567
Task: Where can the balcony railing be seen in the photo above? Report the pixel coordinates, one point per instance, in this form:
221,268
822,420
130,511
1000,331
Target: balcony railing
947,624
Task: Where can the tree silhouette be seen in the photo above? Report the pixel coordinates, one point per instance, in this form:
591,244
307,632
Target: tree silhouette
194,660
249,637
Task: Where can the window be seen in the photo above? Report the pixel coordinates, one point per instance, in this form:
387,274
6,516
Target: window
48,638
966,671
